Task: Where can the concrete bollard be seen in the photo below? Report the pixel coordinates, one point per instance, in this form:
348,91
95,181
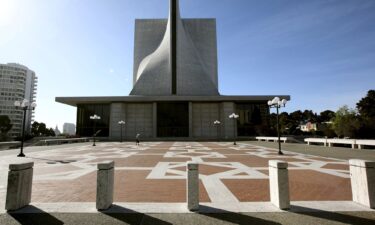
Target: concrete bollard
362,177
192,186
20,179
105,185
279,183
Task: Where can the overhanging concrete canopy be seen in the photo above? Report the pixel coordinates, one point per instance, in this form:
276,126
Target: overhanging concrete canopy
74,101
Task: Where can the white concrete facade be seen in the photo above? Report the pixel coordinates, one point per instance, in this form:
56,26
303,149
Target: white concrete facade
17,82
190,44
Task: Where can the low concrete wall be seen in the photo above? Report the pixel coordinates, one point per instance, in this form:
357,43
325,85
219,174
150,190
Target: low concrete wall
316,140
274,139
330,142
63,141
6,145
361,143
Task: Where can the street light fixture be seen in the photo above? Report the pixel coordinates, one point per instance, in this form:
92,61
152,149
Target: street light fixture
277,103
121,123
234,117
217,124
24,105
95,118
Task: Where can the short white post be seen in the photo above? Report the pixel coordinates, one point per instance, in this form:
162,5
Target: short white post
20,179
279,183
104,186
192,186
362,177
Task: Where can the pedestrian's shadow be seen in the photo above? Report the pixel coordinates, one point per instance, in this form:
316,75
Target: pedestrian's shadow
132,217
232,217
30,215
333,216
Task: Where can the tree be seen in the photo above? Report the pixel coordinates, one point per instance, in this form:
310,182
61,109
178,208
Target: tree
296,117
366,105
5,126
366,109
326,116
34,129
309,116
50,132
346,122
40,129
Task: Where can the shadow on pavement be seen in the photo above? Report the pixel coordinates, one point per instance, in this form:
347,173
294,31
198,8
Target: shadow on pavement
333,216
32,215
231,217
132,217
52,161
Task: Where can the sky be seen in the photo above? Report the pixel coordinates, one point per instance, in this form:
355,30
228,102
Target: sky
321,52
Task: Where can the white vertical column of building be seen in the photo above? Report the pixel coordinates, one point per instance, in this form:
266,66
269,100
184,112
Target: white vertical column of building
118,112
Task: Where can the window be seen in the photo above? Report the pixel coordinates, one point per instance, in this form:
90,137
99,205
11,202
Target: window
85,126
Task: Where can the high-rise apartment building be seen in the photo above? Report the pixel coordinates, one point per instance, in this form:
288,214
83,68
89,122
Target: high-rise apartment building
69,128
17,82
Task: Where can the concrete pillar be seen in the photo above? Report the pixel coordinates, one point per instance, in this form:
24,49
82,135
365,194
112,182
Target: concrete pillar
105,184
192,186
20,178
279,183
362,177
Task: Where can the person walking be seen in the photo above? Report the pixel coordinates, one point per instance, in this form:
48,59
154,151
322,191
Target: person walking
137,139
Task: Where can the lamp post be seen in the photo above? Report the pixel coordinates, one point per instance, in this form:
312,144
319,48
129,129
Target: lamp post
121,123
277,103
217,124
95,118
234,117
24,105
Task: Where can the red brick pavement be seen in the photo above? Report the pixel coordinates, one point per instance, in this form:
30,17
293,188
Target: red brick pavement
133,185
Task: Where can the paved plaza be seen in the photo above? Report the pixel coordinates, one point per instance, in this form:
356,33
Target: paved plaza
150,182
155,172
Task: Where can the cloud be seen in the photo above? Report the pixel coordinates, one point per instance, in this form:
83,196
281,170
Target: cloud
111,70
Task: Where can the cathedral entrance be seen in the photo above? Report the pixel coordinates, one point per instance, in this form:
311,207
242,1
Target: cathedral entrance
173,119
